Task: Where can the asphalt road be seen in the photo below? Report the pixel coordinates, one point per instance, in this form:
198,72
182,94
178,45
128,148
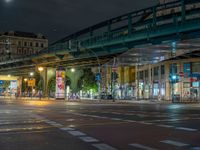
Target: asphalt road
49,125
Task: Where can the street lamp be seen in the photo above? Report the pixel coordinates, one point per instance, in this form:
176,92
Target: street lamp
99,68
25,80
31,74
73,70
40,69
99,71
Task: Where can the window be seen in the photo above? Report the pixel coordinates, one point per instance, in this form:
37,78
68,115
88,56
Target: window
25,43
19,43
186,68
31,44
155,71
173,68
42,45
196,67
162,69
141,75
146,74
36,44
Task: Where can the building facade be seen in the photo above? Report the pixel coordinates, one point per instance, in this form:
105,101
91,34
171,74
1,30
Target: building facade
118,81
16,44
170,79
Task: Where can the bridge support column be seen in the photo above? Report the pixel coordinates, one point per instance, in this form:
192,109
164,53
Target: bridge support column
60,84
45,83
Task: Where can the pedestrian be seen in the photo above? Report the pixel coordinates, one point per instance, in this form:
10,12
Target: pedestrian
40,94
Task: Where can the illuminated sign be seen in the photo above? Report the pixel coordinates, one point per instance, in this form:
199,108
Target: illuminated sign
60,84
31,82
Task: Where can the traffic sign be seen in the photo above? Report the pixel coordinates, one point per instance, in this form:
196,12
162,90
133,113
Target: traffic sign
181,74
31,82
114,68
193,79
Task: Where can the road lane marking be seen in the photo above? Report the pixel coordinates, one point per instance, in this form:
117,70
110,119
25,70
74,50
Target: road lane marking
117,119
67,129
88,139
129,120
116,113
165,126
186,129
147,123
102,146
102,117
50,122
24,129
141,146
76,133
57,125
195,148
82,136
175,143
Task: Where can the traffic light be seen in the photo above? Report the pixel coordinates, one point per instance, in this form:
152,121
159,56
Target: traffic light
174,78
1,82
98,77
114,76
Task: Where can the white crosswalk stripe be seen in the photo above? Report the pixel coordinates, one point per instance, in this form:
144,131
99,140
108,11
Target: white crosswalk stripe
175,143
88,139
102,146
136,145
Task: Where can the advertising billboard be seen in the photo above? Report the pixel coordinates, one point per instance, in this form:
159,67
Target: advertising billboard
60,84
13,87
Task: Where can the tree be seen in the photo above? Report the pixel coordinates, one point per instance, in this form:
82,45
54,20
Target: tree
87,81
39,81
52,84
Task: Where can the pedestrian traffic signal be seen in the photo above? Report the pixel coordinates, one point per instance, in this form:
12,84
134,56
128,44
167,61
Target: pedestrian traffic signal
174,78
98,77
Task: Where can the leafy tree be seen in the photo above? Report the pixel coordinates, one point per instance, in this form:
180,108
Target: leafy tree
52,84
38,81
87,81
6,84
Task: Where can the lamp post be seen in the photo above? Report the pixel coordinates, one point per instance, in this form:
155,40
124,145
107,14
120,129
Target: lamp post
99,71
99,64
40,69
31,75
73,70
25,80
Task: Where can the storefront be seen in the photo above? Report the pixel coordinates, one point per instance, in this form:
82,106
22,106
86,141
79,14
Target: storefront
146,91
141,89
195,90
186,90
163,89
155,89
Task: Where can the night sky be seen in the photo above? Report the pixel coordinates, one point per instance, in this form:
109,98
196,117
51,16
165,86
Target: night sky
58,18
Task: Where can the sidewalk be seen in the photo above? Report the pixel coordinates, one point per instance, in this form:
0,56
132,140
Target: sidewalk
127,101
97,101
